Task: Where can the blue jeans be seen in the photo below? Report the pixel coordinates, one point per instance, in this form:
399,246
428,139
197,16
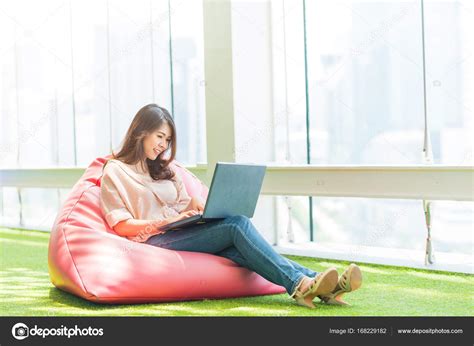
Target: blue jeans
237,239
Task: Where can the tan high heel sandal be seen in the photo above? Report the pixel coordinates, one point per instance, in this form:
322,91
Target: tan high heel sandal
350,280
323,283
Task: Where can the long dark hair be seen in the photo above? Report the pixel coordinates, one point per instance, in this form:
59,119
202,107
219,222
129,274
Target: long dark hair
148,119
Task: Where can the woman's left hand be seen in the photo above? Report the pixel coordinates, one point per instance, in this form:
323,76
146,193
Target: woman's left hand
195,204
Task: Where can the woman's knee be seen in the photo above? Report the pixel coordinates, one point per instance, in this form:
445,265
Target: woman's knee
241,223
239,219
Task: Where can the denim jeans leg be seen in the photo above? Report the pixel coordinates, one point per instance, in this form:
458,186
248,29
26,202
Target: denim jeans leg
306,271
263,258
235,231
233,254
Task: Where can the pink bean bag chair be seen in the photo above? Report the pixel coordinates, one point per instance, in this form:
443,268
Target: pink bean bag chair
88,259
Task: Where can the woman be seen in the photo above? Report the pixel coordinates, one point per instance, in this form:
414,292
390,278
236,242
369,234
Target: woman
140,193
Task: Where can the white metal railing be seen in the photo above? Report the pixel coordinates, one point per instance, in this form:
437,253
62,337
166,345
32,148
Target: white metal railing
400,182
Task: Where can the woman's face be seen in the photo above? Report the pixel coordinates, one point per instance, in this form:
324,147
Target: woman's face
157,142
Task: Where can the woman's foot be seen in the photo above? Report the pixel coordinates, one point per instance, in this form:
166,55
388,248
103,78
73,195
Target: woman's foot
350,280
322,284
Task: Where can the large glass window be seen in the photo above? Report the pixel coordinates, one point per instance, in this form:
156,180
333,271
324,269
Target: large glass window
449,48
365,82
73,74
349,85
350,90
92,109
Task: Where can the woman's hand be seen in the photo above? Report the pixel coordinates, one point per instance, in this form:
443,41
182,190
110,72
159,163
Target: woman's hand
195,204
183,215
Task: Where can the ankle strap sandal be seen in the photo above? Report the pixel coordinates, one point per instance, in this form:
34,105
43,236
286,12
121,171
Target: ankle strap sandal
350,280
323,283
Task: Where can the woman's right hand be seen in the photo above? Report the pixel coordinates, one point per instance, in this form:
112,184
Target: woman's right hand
183,215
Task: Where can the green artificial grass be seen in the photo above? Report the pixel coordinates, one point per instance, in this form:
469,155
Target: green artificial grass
25,290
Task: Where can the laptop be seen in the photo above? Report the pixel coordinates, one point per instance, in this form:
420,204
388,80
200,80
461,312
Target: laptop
234,191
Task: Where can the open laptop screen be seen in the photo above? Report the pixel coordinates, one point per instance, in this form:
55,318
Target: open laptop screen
234,190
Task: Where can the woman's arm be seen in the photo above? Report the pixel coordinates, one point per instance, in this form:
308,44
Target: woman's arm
134,227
